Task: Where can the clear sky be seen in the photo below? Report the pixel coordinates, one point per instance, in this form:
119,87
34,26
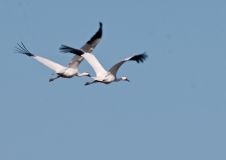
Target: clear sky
174,108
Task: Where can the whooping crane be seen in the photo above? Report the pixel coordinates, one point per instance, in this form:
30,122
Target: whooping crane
102,75
72,69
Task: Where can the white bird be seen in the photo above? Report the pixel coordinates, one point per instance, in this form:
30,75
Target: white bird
72,69
102,75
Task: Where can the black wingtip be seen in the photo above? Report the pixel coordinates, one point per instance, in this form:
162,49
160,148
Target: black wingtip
100,24
97,35
23,50
140,57
67,49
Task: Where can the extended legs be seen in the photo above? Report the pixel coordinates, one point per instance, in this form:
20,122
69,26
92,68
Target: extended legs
52,79
88,83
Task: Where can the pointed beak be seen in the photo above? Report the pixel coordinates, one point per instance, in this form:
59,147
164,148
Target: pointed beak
89,75
127,80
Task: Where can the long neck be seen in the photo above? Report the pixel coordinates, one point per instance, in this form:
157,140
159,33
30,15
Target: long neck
118,79
80,75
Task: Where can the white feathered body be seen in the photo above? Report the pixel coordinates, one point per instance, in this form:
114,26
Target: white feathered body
106,78
67,72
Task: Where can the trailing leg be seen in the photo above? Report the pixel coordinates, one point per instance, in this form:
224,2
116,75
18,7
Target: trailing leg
88,83
52,79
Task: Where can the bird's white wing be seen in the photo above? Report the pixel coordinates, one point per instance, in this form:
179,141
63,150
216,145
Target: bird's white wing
91,59
52,65
88,56
88,47
138,58
115,68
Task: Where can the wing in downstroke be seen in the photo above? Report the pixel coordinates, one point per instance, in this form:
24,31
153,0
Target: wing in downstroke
91,59
99,70
52,65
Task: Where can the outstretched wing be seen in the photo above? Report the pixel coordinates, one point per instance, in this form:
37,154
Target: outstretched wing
91,59
23,50
138,58
76,60
88,47
91,44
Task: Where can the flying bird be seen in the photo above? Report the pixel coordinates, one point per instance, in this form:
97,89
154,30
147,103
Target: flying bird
102,75
72,69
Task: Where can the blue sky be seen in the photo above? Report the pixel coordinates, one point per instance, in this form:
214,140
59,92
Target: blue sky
173,108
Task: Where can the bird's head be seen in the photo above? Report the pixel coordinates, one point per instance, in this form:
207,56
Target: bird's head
124,78
87,74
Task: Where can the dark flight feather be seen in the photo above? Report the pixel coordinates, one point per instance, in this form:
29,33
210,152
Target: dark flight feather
139,58
67,49
23,50
97,35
